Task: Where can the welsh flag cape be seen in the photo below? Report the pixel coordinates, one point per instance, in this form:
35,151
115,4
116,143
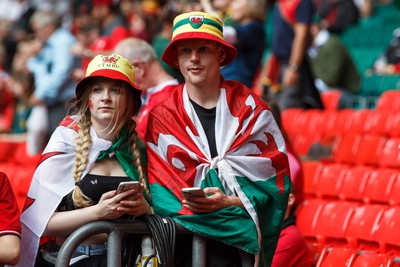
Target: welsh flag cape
53,180
252,164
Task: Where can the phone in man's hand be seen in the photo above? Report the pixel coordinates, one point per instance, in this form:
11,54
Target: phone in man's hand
188,192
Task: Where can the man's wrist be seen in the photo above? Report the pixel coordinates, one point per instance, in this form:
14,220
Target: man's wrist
293,67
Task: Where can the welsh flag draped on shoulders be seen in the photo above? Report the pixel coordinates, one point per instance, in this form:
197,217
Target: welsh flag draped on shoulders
53,180
252,164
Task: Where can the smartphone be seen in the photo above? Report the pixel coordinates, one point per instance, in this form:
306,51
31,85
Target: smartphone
124,186
188,192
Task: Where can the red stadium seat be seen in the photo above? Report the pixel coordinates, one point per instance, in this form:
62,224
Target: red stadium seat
327,121
303,141
362,225
354,182
359,119
370,149
379,123
394,196
373,260
330,180
379,184
390,156
342,122
389,101
316,250
337,256
387,233
332,222
347,148
331,99
395,125
290,119
307,216
311,172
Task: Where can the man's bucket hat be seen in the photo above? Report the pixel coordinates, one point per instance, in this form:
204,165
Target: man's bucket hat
197,25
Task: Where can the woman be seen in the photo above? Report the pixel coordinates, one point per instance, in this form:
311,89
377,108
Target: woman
248,36
86,158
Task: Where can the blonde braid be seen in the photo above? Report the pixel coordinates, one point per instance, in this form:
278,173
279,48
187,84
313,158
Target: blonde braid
83,143
137,161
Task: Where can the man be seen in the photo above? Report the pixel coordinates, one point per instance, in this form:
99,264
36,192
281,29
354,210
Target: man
288,65
156,84
51,64
331,62
220,136
10,226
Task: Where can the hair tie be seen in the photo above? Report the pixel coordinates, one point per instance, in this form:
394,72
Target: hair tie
78,183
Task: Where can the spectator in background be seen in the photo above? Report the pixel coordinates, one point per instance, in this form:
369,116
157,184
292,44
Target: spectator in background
113,24
365,8
248,36
32,120
51,64
10,226
389,62
288,74
156,84
163,37
6,103
220,8
292,249
220,136
331,63
337,15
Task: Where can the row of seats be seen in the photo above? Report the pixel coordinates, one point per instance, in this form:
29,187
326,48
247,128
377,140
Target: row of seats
359,183
344,224
331,126
328,121
18,165
20,177
351,208
338,256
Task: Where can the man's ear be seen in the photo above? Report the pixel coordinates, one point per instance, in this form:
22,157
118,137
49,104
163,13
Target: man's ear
291,199
221,54
140,69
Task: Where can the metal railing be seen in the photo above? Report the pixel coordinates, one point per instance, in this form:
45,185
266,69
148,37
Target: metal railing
116,230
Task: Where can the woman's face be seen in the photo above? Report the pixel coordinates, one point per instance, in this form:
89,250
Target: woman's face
238,8
107,103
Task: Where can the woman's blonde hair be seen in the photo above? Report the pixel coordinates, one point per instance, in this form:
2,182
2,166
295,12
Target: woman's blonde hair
256,9
84,141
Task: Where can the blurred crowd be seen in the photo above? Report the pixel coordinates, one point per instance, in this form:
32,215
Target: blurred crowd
46,46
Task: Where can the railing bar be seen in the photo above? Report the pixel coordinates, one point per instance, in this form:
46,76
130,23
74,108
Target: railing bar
199,251
114,243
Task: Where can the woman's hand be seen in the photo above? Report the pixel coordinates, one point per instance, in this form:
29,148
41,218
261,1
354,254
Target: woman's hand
136,205
215,200
109,206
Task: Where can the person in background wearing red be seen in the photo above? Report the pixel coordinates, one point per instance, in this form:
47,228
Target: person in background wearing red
156,84
10,226
292,249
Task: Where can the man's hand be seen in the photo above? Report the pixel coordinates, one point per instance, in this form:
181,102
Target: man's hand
214,200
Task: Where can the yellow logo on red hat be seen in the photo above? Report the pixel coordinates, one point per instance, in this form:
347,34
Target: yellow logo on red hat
196,21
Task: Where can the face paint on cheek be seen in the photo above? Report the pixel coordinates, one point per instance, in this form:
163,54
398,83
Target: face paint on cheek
91,104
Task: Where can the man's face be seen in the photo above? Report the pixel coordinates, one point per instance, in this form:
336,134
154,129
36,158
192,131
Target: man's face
199,60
